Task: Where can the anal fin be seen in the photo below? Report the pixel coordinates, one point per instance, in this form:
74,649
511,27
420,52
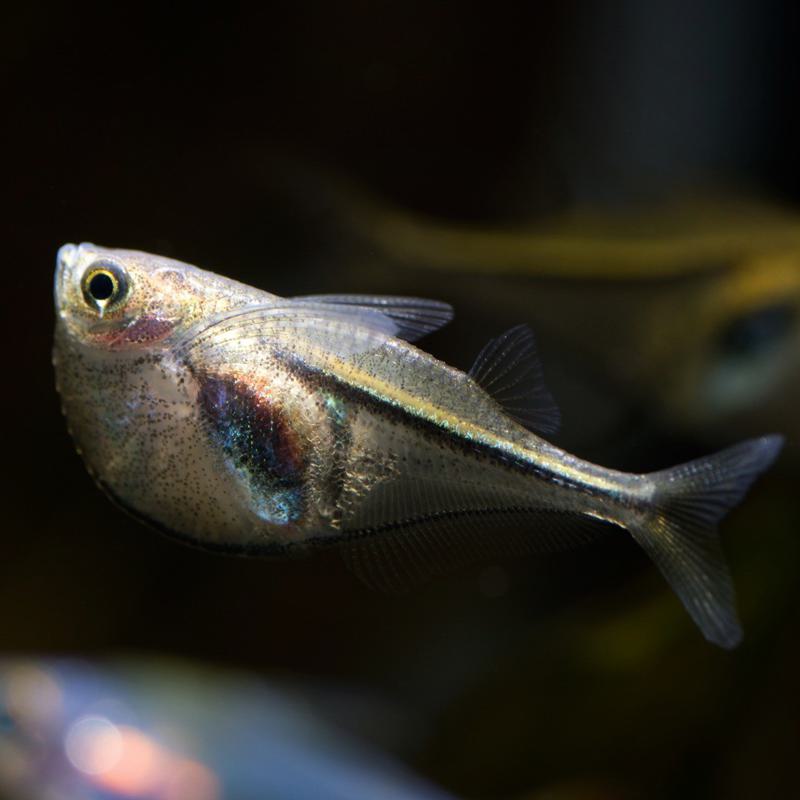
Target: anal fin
400,555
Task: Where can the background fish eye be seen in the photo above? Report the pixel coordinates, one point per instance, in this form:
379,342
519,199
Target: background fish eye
755,333
6,721
104,285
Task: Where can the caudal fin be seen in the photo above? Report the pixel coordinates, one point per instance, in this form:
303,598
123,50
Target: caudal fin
681,535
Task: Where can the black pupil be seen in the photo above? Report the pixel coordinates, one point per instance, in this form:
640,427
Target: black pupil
759,331
101,286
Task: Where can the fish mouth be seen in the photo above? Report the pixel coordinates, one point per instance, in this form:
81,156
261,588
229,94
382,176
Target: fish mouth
67,253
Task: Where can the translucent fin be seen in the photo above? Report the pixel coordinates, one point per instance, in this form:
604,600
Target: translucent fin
509,369
689,501
411,317
248,335
404,559
464,530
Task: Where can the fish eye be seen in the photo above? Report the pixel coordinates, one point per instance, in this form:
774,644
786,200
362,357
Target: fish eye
757,332
6,721
105,285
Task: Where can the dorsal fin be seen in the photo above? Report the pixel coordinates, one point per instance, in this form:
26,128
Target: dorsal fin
508,369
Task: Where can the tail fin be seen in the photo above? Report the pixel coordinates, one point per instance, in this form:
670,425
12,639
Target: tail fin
681,536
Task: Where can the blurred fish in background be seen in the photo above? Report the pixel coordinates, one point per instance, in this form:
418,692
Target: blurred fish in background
631,244
687,312
622,221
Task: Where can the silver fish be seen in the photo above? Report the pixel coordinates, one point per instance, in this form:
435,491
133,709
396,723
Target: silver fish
240,420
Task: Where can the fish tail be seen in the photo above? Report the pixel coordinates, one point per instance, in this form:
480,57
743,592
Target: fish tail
680,532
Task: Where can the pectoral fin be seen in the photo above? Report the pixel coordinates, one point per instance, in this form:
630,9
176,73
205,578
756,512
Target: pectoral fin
408,318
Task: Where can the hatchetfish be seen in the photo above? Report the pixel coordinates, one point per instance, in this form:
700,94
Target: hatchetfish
239,420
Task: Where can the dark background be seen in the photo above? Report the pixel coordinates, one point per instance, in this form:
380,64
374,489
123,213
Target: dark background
162,130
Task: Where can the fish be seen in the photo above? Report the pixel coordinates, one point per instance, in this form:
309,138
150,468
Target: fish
707,285
238,420
683,237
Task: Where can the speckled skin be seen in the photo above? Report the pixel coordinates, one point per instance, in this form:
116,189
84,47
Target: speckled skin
233,418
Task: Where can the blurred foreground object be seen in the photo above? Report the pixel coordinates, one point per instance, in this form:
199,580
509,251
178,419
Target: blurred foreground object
79,731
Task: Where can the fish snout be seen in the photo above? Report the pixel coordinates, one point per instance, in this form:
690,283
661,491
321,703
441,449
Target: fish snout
67,255
66,258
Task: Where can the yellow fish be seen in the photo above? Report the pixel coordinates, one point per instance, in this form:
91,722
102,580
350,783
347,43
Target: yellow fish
708,289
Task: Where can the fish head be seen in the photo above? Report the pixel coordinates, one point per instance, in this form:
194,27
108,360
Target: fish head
126,391
110,299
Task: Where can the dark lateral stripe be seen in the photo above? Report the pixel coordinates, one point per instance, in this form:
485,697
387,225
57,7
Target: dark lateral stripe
321,379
